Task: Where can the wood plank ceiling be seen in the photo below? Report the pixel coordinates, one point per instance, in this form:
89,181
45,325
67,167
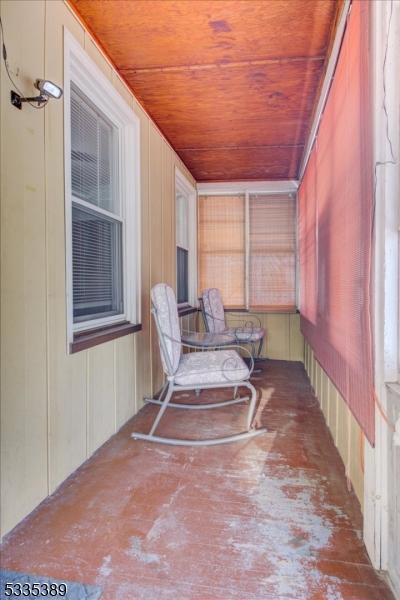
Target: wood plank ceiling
231,84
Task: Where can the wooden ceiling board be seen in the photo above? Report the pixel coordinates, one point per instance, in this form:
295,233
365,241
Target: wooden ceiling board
247,163
199,108
146,33
241,75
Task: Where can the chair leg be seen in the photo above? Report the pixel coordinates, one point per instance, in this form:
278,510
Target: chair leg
162,393
260,345
252,404
255,357
248,434
162,409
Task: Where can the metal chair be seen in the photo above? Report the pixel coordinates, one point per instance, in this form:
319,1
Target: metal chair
213,312
215,369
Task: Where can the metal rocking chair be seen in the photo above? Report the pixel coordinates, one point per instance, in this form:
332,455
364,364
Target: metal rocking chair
190,371
247,332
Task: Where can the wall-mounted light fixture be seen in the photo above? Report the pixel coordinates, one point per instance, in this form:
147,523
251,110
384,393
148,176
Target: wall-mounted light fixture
47,90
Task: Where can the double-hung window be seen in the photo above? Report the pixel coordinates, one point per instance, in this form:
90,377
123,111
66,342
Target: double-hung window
97,220
186,263
102,199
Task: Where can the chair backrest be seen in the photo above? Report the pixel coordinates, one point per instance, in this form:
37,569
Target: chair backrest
213,310
165,312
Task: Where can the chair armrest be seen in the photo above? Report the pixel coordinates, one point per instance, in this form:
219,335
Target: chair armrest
248,319
232,312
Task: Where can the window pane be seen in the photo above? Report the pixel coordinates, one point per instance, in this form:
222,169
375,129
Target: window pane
182,221
96,265
93,154
182,259
272,276
222,247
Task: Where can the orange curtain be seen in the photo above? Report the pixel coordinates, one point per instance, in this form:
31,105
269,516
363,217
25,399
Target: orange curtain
221,247
272,252
335,228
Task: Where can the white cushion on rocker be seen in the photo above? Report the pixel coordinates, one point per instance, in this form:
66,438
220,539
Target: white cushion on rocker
221,366
247,334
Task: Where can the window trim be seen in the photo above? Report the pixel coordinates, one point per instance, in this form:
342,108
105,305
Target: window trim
80,69
183,185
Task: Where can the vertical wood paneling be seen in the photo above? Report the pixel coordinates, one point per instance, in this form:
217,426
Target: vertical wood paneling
59,408
101,395
168,216
24,424
278,331
325,394
124,379
332,415
143,341
313,370
97,57
344,428
356,459
156,236
318,381
66,373
296,339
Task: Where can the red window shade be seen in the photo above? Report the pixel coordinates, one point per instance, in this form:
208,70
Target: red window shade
272,252
222,247
307,242
335,225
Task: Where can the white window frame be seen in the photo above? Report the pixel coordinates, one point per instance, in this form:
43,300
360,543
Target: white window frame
81,70
183,185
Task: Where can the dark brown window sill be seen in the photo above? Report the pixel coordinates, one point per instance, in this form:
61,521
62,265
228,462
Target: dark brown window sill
186,310
87,339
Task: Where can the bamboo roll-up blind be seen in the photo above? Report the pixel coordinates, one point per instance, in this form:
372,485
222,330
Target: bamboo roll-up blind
247,249
272,252
336,225
222,247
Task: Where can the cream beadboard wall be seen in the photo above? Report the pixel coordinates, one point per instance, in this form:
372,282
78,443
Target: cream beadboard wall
57,408
346,432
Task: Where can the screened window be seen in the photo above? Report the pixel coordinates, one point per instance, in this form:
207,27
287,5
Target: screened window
97,224
247,249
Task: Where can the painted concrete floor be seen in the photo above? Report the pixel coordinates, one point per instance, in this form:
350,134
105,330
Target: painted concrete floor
270,518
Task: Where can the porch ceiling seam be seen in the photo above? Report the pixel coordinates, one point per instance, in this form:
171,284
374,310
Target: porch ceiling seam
223,64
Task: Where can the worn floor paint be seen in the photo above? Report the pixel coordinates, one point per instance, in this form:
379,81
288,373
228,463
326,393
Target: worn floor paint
267,518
